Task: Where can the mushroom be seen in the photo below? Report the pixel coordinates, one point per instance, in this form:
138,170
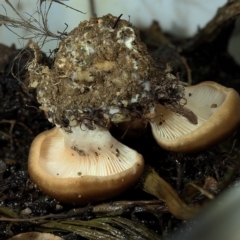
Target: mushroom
217,109
82,166
102,75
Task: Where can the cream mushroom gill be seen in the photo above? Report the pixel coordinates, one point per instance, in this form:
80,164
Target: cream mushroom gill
218,115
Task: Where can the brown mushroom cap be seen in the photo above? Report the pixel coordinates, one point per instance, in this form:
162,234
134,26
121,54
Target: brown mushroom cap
217,109
79,170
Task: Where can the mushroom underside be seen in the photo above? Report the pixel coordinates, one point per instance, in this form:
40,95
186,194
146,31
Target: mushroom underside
82,175
217,110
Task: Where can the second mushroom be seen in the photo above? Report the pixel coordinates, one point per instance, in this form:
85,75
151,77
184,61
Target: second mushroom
218,115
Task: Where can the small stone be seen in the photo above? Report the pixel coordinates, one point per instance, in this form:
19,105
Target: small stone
58,207
26,211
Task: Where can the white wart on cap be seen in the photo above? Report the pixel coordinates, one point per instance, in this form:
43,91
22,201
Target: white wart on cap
217,109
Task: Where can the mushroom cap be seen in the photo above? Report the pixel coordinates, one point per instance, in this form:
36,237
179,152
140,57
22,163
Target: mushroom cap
217,109
101,71
82,177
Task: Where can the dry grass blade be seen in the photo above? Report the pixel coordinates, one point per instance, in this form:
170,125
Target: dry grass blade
98,228
7,212
36,24
155,185
59,2
86,232
133,228
104,228
30,23
102,210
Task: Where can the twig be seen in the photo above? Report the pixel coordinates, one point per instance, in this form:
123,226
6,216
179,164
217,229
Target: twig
107,209
12,124
202,191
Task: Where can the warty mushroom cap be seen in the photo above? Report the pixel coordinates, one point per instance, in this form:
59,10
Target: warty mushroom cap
101,71
82,166
217,109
